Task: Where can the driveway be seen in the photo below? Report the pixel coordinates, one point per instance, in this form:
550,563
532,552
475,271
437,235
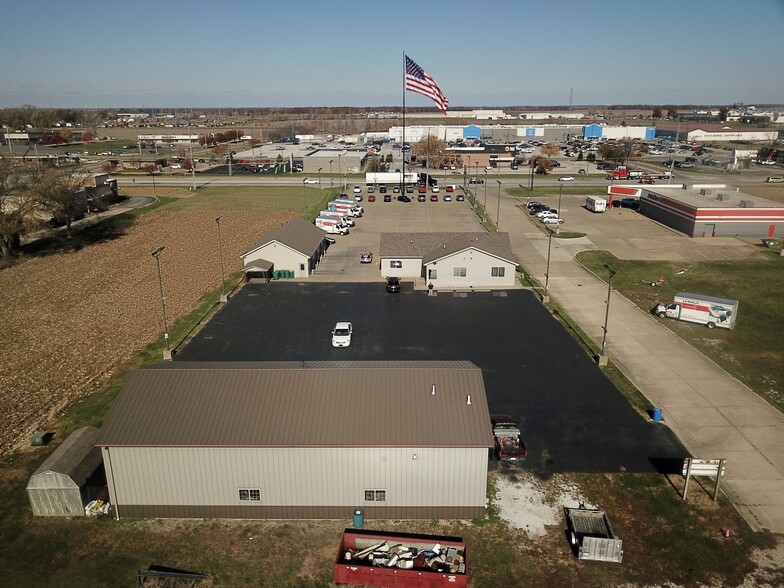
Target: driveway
573,418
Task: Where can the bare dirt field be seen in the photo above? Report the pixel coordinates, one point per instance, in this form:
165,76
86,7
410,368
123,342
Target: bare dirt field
70,319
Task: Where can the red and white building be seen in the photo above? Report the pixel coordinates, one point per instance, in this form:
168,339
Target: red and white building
708,210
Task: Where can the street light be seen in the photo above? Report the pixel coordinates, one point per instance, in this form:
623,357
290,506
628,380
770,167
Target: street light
498,208
603,355
558,225
223,297
167,354
546,297
319,170
330,172
485,205
304,201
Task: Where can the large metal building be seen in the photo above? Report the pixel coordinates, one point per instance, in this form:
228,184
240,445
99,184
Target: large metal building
710,210
299,440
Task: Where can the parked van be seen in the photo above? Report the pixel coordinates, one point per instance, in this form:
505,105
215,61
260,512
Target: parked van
331,225
775,180
337,215
595,204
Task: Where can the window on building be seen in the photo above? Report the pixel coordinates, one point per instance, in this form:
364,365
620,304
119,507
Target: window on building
252,494
396,264
432,274
459,272
375,495
497,272
302,267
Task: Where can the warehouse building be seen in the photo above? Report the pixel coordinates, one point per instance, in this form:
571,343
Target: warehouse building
296,247
450,260
289,440
708,210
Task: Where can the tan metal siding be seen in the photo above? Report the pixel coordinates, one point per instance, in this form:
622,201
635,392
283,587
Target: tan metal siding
478,271
307,477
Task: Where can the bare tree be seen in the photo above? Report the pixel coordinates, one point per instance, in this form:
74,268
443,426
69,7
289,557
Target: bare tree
60,192
17,207
657,112
430,149
551,149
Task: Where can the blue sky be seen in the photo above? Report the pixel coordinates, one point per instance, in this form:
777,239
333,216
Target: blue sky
174,54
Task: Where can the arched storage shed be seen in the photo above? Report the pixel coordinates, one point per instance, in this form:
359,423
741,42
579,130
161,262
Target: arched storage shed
65,482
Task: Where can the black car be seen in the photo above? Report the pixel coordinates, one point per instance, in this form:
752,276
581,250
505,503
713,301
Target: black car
387,198
459,197
393,285
404,198
383,189
629,202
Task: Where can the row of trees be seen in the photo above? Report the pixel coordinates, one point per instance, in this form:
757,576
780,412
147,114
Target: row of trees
30,196
672,112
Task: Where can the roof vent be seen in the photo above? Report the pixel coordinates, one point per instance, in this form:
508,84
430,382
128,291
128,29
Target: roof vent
468,400
747,204
444,245
705,192
721,196
433,390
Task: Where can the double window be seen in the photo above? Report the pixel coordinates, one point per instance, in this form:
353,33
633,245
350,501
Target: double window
375,495
459,272
396,264
497,272
250,494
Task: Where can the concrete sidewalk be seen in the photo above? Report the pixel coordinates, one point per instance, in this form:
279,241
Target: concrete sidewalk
712,413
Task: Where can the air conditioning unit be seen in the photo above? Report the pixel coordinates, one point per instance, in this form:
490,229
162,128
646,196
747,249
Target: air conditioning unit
705,192
722,196
747,204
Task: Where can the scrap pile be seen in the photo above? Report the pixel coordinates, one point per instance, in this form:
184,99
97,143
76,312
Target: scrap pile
399,555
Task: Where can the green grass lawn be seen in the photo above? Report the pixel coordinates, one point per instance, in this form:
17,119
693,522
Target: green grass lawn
753,351
306,200
539,192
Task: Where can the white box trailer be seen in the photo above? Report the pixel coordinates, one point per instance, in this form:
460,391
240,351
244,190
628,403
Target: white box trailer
392,178
346,220
595,204
331,225
704,310
346,209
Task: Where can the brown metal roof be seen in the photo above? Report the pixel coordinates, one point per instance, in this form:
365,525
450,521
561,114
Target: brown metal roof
297,234
434,246
77,457
301,404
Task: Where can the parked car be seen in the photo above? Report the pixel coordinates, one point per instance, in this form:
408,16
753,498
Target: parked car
552,220
533,204
383,189
341,335
421,198
459,197
357,189
330,240
409,189
447,198
582,170
434,198
372,198
387,198
371,189
629,202
366,257
566,179
507,437
393,285
422,188
450,188
403,198
358,198
435,189
396,190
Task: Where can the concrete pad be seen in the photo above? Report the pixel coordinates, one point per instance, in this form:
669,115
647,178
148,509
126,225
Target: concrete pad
714,442
749,465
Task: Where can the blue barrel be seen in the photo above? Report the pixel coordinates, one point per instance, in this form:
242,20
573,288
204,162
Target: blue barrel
359,518
657,414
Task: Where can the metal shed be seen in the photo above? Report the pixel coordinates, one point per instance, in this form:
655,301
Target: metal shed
61,485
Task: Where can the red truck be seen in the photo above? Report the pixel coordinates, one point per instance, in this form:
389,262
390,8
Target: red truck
509,444
385,558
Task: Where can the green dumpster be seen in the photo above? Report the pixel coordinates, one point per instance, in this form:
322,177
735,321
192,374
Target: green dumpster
276,275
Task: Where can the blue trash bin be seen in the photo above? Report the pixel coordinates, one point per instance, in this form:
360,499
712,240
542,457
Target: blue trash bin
657,415
359,518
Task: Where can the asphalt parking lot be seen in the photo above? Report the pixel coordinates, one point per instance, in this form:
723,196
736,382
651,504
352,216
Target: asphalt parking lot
572,416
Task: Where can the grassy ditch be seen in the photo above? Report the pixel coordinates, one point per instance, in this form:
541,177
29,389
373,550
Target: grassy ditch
753,351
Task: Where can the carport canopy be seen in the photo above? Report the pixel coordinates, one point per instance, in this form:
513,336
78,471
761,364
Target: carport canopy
258,265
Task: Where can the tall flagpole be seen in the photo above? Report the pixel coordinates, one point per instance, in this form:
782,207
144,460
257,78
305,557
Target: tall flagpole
403,141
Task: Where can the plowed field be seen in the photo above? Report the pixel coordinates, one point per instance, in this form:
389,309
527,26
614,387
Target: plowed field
68,320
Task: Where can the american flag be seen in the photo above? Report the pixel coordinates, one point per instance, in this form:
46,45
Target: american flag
419,81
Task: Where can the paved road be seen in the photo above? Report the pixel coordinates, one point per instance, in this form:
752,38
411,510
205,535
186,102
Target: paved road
713,414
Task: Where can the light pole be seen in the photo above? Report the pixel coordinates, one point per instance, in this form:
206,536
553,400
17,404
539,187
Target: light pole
223,297
152,173
546,297
320,181
603,354
167,354
558,225
330,173
304,201
340,165
193,163
485,204
498,208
